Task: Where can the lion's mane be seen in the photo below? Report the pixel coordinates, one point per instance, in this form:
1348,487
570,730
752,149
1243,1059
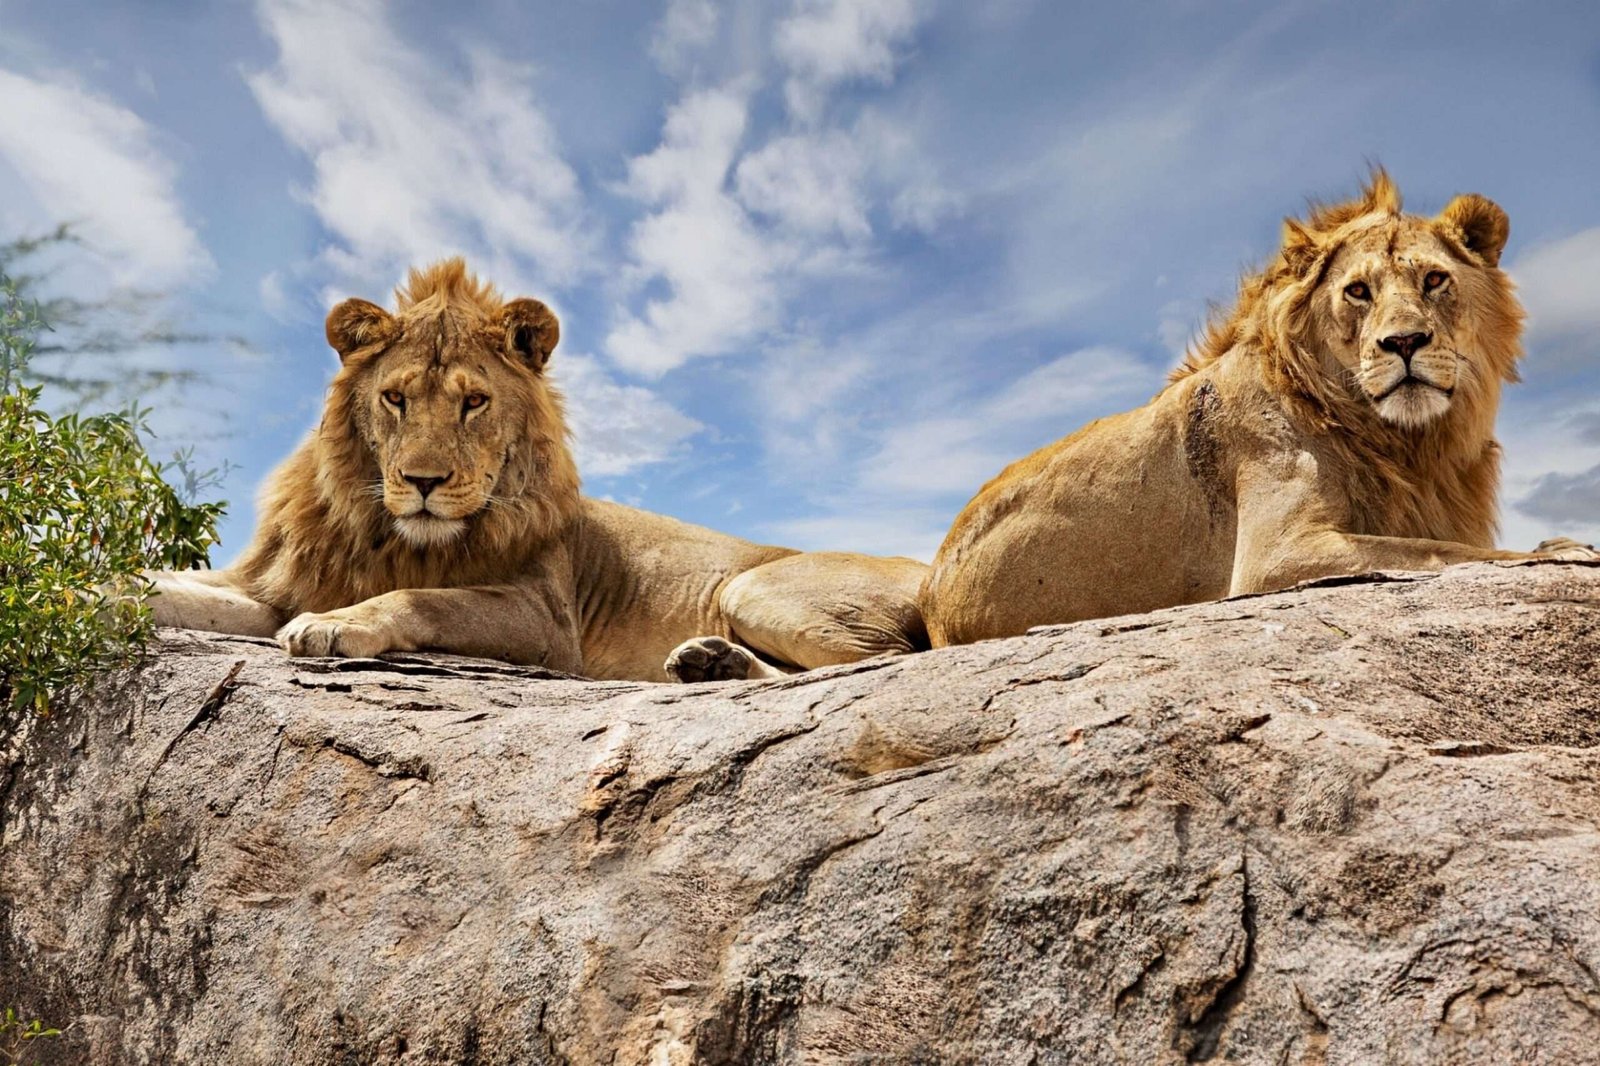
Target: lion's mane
326,541
1382,462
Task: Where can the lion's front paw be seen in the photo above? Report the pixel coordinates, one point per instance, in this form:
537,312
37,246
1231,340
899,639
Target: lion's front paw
709,659
1567,549
333,634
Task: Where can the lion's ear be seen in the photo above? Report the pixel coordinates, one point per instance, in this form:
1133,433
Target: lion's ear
531,332
1482,224
356,323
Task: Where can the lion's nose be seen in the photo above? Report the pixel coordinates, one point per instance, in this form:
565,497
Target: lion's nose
425,485
1405,345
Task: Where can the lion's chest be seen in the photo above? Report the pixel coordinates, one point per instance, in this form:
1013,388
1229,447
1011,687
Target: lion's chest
1457,507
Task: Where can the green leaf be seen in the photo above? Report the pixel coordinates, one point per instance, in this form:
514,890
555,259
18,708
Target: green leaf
83,508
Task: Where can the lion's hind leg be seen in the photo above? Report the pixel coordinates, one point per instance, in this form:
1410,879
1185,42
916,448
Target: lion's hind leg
824,608
716,659
805,611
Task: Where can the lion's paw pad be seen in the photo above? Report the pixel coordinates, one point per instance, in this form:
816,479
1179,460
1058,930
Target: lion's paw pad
709,659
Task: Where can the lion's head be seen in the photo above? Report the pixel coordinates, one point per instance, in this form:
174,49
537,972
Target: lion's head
1415,309
445,409
1365,305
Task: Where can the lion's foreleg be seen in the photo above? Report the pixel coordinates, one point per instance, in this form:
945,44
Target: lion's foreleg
508,622
1327,554
211,600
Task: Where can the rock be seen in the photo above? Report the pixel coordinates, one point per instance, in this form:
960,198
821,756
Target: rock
1356,822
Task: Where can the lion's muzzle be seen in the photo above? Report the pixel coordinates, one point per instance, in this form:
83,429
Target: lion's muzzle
1405,345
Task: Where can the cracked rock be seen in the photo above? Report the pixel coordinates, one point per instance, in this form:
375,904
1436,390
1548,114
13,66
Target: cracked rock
1355,822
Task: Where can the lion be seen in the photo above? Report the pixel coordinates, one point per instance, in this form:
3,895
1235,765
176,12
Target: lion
437,507
1339,420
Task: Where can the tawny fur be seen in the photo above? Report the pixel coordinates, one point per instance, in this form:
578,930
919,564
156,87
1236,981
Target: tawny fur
437,506
1455,457
324,540
1274,454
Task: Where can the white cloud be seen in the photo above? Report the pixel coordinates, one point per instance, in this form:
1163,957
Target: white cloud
617,428
1070,385
687,27
958,453
817,189
1551,445
800,379
1557,284
1556,486
918,199
828,43
910,476
699,242
808,395
698,145
273,297
733,234
811,183
934,457
914,532
411,160
1549,426
1570,502
1179,325
820,180
78,157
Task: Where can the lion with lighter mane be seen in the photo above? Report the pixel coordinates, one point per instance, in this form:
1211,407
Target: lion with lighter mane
437,507
1339,420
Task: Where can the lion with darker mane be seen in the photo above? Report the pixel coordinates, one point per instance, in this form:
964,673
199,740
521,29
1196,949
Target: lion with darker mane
1339,420
437,507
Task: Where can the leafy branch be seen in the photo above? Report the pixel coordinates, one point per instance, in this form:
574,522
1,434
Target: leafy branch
84,511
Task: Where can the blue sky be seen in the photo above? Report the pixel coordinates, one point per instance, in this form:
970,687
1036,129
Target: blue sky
823,266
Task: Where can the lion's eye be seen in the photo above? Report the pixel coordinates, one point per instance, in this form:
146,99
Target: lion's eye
1434,279
395,397
1357,290
474,401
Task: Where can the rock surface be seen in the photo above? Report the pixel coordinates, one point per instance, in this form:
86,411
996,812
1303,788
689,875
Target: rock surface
1356,822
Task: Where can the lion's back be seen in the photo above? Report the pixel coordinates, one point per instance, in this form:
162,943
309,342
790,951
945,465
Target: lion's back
1086,527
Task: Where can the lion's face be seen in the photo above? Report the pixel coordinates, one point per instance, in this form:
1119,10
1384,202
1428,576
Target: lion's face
449,405
442,432
1415,310
1395,297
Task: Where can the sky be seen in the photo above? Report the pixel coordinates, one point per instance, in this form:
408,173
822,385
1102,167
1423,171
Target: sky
823,266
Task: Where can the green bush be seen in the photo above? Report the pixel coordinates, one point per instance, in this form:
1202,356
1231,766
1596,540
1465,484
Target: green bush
83,509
